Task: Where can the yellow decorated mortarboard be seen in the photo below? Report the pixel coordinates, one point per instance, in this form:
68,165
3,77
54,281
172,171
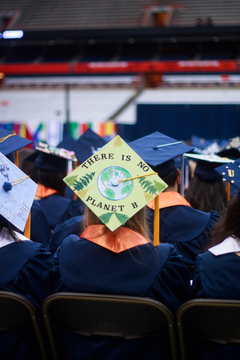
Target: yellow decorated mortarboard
115,183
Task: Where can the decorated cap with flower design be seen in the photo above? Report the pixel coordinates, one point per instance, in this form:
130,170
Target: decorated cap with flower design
17,192
115,183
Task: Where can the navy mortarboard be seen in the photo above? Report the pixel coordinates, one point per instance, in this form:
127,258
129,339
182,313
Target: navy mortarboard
231,172
67,143
200,142
87,145
10,143
159,150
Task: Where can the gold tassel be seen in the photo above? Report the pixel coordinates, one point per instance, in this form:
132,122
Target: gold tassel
228,189
27,230
75,165
16,158
156,226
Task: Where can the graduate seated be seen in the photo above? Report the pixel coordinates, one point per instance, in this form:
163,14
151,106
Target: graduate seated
26,267
206,191
48,172
182,226
11,145
114,254
216,273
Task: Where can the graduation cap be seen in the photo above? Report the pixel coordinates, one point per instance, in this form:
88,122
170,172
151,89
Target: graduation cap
88,144
52,158
10,143
231,173
212,148
159,150
17,192
231,149
200,142
115,183
206,165
67,143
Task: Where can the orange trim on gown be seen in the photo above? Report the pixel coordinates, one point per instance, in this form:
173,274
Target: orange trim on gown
167,199
117,241
43,191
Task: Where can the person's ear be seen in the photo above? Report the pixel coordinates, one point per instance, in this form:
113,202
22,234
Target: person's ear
179,177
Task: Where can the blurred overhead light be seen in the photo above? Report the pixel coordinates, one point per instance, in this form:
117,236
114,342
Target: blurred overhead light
12,34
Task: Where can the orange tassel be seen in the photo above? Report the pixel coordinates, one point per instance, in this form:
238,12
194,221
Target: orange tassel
27,230
16,158
156,226
228,189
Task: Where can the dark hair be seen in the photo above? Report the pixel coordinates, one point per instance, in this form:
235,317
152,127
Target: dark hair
10,231
171,177
207,195
228,225
24,158
137,222
50,179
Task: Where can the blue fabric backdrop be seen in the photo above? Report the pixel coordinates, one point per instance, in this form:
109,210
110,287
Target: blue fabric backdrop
211,121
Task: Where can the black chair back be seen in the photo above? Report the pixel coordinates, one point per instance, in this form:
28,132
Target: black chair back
93,314
16,313
213,320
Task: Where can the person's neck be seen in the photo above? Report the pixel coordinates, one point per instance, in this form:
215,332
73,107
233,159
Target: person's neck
172,188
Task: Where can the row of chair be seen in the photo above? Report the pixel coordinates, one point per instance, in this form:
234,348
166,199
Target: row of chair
125,316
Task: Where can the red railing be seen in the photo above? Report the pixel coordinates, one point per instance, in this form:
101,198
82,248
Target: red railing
198,66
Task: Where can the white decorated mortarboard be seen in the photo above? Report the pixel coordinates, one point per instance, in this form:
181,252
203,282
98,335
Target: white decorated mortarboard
206,165
115,183
17,192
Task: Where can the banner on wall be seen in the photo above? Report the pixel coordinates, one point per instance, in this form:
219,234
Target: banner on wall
53,132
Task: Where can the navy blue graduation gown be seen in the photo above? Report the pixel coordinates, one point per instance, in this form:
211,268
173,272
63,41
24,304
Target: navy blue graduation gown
40,228
187,229
58,209
216,277
61,231
157,273
26,268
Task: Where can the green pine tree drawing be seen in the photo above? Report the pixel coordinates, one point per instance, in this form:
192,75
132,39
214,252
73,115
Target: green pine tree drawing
159,186
106,217
70,180
122,218
147,185
83,181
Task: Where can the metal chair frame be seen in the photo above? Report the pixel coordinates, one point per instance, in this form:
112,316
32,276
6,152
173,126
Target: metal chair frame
216,320
18,312
110,315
